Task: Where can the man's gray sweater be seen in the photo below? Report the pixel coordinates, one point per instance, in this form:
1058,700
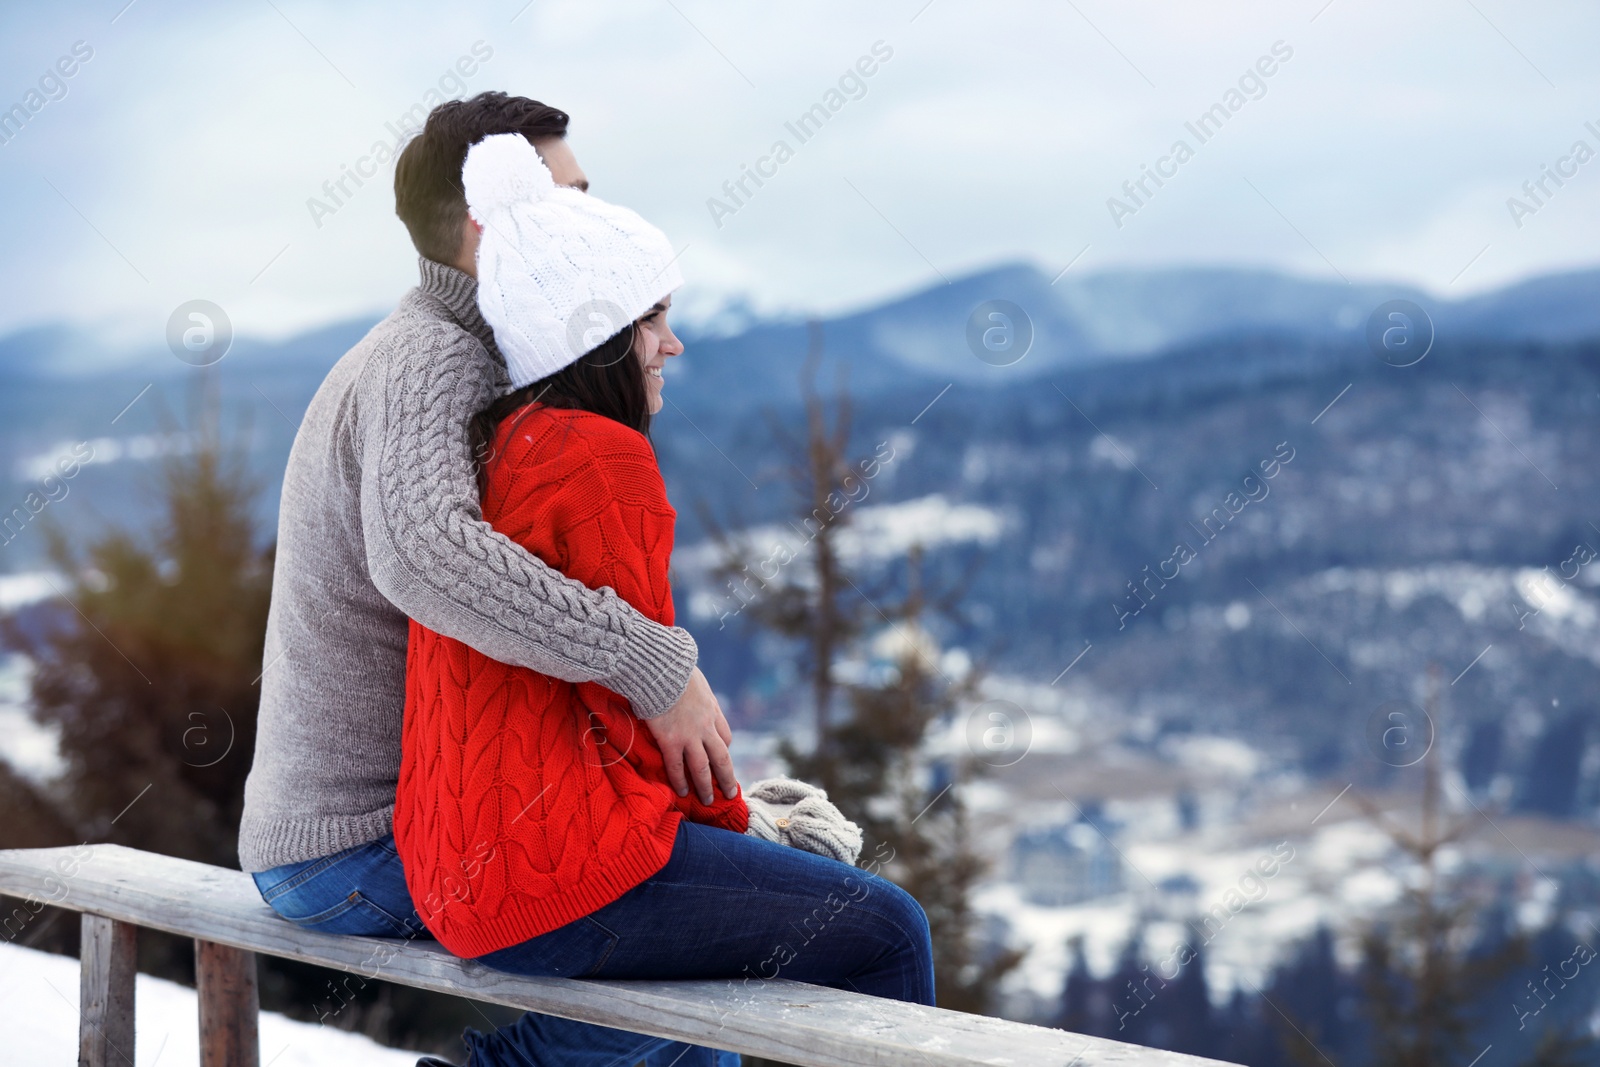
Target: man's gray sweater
380,523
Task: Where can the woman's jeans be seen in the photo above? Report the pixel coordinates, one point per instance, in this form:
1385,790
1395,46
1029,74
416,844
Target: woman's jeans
725,906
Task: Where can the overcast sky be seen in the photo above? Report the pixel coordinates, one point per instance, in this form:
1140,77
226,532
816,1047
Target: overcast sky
180,160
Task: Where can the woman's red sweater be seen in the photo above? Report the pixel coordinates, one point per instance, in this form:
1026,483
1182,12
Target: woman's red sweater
524,801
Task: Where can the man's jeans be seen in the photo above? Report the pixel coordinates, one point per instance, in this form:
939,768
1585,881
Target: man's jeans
725,905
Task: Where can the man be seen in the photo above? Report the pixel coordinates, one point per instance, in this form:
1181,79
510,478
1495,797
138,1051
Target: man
379,523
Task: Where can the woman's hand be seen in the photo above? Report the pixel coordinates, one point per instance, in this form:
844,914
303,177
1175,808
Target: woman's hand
693,735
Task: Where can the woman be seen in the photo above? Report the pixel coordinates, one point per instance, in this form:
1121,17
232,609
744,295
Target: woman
534,819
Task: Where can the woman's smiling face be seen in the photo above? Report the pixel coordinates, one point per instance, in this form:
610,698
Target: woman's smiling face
654,344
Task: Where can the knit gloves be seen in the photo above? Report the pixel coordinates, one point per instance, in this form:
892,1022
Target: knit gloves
794,813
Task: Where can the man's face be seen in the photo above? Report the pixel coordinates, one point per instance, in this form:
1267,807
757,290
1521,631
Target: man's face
557,155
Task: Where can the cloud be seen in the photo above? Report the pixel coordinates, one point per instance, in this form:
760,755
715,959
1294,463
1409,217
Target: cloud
180,162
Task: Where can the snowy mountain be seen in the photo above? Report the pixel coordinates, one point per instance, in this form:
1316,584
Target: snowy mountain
1129,428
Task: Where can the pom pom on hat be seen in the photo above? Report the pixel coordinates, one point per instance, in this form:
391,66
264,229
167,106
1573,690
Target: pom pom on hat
502,170
560,272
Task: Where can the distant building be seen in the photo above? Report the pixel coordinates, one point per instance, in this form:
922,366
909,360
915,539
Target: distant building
1060,865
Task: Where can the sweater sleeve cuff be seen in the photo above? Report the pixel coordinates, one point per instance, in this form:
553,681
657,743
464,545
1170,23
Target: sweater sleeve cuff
654,667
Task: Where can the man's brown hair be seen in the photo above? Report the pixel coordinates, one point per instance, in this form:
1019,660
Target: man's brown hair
427,176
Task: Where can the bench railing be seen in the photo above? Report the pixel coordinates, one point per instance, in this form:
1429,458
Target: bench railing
119,889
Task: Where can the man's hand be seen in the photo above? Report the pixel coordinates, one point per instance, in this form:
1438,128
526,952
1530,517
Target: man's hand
693,735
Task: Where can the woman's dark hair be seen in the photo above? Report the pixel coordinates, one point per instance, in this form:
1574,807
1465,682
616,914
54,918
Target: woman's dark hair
607,381
427,175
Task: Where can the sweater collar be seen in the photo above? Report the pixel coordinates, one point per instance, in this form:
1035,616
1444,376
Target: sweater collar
458,292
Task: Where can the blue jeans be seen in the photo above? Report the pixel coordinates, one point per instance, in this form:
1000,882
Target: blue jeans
725,905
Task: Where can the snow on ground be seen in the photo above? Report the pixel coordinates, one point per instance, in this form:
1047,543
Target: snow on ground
20,590
875,533
139,448
32,750
39,1018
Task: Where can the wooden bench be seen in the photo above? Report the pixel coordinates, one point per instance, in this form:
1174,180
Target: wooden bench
120,889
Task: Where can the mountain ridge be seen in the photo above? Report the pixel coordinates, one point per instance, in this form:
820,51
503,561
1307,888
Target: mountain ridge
1076,321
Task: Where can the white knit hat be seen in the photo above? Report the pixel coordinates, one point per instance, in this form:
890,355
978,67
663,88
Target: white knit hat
560,272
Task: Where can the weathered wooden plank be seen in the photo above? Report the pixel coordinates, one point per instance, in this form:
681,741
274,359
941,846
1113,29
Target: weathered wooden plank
105,992
777,1019
225,981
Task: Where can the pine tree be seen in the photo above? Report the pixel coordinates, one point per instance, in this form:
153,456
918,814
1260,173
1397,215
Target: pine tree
1481,758
1554,775
869,751
817,616
150,669
875,759
1184,1015
1082,1000
1422,984
1132,988
1243,1033
30,817
1313,995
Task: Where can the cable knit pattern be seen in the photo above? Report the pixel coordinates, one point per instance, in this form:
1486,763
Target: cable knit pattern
380,521
526,801
790,812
